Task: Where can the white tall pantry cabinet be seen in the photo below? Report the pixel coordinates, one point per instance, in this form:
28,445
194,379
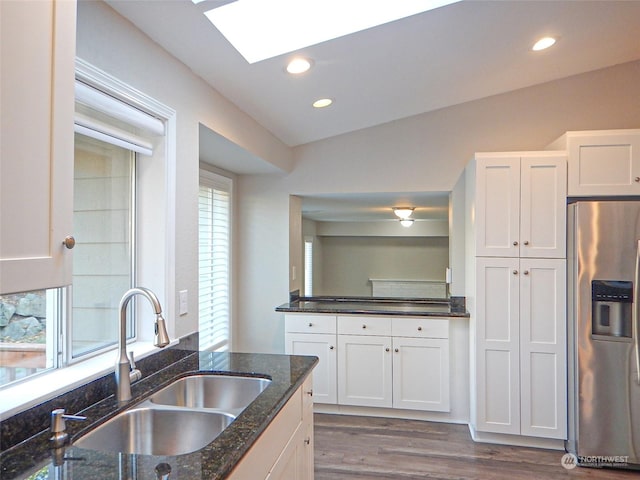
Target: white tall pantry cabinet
37,42
517,245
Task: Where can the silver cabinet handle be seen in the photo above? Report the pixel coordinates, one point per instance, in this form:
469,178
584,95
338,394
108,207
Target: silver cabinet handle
526,242
310,324
397,350
387,349
419,329
331,347
526,272
515,272
364,326
637,179
515,244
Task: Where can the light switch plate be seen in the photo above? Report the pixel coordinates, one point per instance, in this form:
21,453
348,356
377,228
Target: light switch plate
184,301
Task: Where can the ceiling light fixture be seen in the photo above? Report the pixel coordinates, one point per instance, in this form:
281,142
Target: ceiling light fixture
543,44
323,102
298,65
261,30
406,222
403,212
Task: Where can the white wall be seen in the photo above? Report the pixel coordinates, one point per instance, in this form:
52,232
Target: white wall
113,44
425,152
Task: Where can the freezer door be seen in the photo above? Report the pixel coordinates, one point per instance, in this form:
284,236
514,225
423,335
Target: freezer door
606,406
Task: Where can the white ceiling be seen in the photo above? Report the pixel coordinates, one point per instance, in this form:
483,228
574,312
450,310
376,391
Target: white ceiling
447,56
454,54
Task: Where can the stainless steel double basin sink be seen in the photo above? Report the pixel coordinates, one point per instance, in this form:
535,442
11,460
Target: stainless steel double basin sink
182,418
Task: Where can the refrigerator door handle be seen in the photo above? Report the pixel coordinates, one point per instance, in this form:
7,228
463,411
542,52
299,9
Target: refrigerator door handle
636,303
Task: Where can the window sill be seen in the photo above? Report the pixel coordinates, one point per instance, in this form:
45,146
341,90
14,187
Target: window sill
49,385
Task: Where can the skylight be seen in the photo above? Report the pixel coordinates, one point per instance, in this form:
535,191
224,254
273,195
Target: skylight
259,29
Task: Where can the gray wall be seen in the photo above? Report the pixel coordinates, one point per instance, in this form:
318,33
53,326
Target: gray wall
349,262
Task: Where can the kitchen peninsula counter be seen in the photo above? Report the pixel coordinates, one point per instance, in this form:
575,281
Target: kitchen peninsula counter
33,459
376,306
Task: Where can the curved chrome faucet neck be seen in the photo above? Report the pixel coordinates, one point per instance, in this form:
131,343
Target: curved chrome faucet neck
126,373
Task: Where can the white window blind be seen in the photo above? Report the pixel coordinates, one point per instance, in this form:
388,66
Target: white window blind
105,118
308,268
214,207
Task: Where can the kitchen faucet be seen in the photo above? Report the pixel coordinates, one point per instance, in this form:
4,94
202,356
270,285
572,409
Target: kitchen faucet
126,371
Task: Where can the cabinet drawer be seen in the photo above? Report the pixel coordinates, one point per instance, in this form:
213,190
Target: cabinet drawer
420,327
365,325
310,323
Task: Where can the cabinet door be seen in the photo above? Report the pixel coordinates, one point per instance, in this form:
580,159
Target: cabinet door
364,371
291,462
604,163
543,348
322,346
497,206
36,153
543,206
421,373
497,345
307,424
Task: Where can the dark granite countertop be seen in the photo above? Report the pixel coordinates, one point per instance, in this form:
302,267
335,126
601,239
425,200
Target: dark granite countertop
376,306
33,459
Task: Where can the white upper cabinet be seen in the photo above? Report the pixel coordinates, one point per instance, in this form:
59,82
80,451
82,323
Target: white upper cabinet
37,42
602,162
521,204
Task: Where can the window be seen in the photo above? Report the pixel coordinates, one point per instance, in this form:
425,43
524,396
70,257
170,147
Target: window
214,254
308,267
124,165
103,257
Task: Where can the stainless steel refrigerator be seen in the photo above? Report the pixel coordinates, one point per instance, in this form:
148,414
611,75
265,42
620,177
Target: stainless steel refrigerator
604,298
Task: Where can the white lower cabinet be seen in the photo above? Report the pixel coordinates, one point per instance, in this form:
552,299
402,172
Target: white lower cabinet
285,450
369,361
315,335
365,371
521,347
421,374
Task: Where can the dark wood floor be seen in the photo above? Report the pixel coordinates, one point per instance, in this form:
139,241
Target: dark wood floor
359,448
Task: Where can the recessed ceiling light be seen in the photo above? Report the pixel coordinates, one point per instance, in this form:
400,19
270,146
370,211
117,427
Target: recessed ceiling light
323,102
543,43
261,30
298,65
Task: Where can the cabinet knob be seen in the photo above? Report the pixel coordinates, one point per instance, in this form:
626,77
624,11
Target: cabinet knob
307,441
515,272
526,242
69,242
515,243
637,179
364,326
419,329
310,393
526,272
397,350
387,349
310,324
331,347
